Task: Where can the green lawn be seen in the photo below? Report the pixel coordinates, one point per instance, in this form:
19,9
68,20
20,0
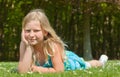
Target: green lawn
112,69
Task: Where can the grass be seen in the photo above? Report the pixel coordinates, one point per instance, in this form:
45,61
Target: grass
112,69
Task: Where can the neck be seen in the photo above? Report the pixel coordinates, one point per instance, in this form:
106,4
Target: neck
38,47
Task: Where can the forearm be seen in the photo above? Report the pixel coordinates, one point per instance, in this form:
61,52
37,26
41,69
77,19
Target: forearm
26,61
45,69
22,50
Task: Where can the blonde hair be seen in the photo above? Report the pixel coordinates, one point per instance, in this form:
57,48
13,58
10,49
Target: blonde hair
51,37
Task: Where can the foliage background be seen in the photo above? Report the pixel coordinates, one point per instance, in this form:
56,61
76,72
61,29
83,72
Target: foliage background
70,19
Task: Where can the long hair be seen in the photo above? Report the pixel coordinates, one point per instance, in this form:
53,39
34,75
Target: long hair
51,37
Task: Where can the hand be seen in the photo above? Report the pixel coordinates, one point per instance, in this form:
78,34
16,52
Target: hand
35,68
23,37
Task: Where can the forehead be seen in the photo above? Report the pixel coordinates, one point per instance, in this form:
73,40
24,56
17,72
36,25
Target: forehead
33,24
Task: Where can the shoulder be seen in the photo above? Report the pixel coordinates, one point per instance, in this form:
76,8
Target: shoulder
55,48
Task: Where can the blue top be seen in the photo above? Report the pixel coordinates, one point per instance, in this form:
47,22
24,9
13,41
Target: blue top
72,62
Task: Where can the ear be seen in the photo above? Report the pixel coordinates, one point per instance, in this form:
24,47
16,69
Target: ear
45,33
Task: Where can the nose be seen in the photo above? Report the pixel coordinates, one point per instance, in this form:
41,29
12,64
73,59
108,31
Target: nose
31,34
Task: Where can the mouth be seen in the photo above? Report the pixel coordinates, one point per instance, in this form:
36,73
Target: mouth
32,40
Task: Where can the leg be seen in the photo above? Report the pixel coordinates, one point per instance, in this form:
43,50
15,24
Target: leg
95,63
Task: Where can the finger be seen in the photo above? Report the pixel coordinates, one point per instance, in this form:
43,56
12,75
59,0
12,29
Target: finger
23,37
33,68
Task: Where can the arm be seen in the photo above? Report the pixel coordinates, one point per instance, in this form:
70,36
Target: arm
25,55
58,65
25,58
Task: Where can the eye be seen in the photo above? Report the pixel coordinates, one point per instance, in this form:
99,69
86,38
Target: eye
37,30
27,31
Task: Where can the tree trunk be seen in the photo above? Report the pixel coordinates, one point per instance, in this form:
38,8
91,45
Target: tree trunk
86,33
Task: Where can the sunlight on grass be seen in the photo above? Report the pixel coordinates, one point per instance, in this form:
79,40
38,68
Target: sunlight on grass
112,69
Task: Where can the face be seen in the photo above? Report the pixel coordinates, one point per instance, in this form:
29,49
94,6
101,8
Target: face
33,32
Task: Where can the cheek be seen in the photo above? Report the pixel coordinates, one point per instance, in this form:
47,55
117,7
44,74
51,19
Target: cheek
40,36
26,36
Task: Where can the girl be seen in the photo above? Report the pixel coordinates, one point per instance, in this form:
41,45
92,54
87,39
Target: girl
41,50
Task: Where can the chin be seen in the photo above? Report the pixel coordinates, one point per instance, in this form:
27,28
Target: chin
33,43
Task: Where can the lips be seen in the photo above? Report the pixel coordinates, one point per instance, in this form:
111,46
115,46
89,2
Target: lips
32,40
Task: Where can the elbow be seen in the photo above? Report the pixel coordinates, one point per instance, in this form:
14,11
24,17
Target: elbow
21,69
60,70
